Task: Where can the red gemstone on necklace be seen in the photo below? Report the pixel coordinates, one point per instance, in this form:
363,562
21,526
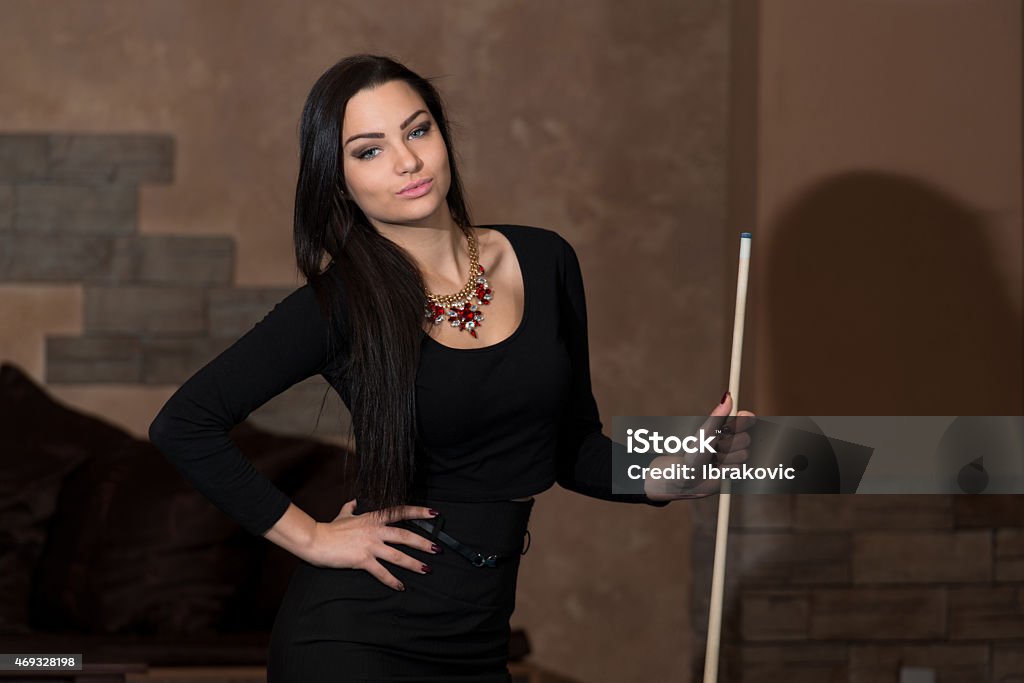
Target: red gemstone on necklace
462,312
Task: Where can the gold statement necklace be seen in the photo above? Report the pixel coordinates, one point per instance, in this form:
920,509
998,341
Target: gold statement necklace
458,309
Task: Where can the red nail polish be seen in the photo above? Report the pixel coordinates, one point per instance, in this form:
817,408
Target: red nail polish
724,396
426,569
435,547
434,512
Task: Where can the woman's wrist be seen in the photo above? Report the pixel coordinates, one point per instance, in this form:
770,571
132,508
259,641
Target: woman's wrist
667,488
311,545
296,532
655,489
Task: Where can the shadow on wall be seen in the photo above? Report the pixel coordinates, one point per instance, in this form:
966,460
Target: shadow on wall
881,299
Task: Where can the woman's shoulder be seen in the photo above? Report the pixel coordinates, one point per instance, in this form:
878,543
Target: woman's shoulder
311,311
531,238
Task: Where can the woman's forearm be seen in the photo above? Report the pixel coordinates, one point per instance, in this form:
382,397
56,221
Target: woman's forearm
294,532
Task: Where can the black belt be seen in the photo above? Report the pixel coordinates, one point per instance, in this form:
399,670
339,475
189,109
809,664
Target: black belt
477,558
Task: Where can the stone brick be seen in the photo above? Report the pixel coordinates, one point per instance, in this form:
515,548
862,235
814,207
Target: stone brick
1010,555
1008,663
878,613
952,663
808,673
152,310
233,312
92,360
174,260
40,258
762,511
6,207
988,510
793,663
922,556
96,259
798,558
297,410
172,361
127,159
873,511
774,615
990,612
51,208
22,157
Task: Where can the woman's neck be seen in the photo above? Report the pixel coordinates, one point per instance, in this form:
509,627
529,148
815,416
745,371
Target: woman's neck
439,250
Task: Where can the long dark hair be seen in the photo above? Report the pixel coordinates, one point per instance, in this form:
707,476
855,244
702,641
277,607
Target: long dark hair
377,328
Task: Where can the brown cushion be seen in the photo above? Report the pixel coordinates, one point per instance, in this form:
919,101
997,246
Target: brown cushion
134,548
42,441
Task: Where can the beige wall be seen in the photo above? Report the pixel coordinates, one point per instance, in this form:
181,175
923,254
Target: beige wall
888,208
604,122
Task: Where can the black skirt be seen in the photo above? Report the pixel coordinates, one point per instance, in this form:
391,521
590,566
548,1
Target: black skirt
451,625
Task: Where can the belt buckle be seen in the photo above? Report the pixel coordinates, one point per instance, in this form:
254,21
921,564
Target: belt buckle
479,560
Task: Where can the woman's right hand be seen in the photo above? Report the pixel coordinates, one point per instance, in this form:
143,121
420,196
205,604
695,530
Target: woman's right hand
361,541
731,443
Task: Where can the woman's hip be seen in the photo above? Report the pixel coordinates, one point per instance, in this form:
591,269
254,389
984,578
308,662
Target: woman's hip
481,546
459,612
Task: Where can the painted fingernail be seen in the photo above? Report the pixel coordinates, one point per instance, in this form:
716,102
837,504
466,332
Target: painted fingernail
426,569
401,586
724,396
435,513
435,547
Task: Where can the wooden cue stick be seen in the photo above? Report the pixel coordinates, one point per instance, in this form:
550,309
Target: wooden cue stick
722,533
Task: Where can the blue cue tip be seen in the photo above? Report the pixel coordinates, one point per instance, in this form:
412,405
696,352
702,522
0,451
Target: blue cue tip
745,234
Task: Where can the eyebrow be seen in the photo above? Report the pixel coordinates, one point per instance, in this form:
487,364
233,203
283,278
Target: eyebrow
380,135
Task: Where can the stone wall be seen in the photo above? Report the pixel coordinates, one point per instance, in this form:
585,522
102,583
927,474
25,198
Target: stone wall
155,308
852,588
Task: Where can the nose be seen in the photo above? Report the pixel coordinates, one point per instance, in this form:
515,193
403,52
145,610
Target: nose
406,160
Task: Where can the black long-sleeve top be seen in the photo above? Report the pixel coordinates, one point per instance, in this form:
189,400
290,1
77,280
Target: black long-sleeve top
496,422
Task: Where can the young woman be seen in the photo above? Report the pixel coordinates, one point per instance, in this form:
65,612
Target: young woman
461,352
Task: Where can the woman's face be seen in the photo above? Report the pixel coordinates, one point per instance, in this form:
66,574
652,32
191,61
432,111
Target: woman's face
389,140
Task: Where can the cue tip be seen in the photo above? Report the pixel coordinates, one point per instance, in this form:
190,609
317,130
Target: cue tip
745,234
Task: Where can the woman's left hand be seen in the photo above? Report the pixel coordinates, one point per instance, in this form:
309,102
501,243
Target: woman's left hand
731,450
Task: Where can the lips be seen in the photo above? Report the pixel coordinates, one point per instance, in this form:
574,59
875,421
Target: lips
413,185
